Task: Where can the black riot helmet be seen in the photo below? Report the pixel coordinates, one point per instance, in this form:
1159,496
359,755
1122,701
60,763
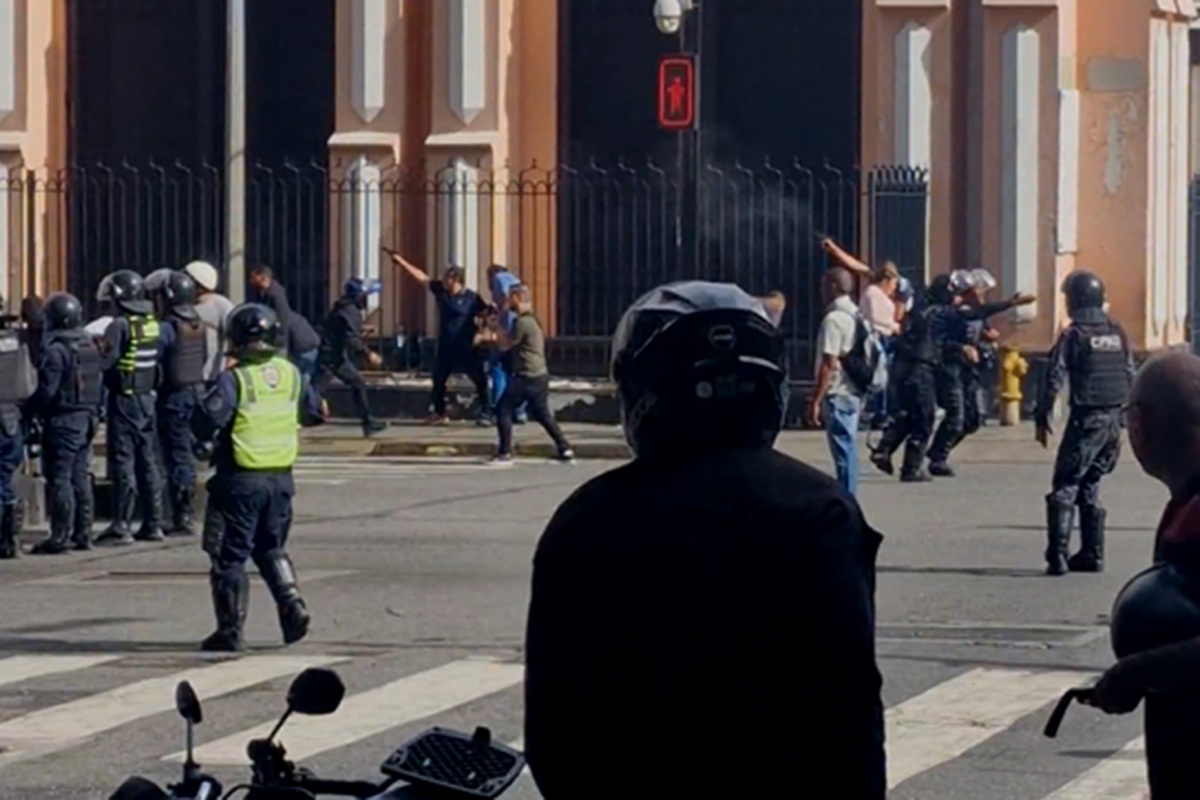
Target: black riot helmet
253,328
1154,609
178,294
699,367
126,290
1083,290
63,312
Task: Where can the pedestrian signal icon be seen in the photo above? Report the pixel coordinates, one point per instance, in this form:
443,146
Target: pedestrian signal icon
676,92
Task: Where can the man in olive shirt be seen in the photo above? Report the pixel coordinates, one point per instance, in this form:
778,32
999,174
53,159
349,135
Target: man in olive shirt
525,346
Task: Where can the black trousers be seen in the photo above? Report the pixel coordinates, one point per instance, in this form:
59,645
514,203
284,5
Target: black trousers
450,362
256,509
915,413
133,458
1089,451
66,459
535,392
952,399
348,374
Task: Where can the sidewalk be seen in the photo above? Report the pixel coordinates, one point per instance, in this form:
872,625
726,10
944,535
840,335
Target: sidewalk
404,438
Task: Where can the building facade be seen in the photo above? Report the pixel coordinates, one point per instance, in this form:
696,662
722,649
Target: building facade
1031,137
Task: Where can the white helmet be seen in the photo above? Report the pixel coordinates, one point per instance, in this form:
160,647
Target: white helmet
204,274
983,280
960,281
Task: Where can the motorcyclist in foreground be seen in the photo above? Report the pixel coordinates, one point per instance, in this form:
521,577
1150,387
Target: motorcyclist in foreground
713,595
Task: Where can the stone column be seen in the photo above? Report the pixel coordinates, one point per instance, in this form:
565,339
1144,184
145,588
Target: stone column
366,181
908,97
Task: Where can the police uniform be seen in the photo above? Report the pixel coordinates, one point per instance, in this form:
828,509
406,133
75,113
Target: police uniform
68,401
913,415
16,385
958,386
133,350
255,410
1094,353
184,355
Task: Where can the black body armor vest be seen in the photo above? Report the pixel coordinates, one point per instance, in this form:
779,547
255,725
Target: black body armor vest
1099,370
185,360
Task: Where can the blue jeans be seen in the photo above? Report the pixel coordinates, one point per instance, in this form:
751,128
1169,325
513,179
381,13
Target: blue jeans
841,414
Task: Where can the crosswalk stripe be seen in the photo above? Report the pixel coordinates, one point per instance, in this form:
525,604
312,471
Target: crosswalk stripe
962,713
374,711
21,668
1120,777
66,725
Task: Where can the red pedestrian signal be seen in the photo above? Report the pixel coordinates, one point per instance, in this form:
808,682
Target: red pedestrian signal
676,92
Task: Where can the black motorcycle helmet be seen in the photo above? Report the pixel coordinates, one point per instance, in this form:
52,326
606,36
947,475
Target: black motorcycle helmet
126,290
1154,609
63,312
1083,290
253,328
699,367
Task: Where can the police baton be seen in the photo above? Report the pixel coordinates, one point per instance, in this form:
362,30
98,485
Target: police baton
1084,696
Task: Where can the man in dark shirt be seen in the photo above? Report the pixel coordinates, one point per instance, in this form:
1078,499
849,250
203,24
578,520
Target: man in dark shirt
525,346
302,342
345,346
458,310
712,594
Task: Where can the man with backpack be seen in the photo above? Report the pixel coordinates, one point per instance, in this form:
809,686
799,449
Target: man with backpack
848,359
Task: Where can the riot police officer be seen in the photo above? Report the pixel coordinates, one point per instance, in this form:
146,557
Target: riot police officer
255,411
702,382
67,401
132,348
913,367
344,344
1094,352
185,352
17,382
958,375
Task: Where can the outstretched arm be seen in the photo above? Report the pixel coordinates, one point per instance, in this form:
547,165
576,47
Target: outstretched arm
845,259
412,269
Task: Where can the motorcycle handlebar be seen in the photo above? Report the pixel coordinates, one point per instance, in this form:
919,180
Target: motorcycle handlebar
356,789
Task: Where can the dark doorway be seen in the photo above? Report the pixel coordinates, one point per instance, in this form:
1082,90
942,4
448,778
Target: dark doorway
290,114
146,111
743,198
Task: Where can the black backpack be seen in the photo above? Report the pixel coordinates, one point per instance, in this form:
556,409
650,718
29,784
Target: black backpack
863,366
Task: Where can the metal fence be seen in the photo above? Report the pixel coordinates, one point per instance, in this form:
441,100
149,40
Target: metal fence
589,239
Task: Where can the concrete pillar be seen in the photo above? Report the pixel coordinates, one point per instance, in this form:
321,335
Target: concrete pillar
908,91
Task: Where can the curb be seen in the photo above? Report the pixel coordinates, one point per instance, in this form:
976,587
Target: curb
598,451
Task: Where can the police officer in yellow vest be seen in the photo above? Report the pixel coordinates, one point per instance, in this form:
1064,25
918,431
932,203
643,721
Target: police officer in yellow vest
256,410
132,349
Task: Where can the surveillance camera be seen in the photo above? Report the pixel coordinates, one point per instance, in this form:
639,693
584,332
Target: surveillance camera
668,14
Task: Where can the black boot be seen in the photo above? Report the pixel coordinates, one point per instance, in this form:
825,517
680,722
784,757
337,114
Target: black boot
941,469
913,470
231,603
10,531
280,576
1059,519
152,515
183,517
81,537
371,427
59,540
1090,557
119,533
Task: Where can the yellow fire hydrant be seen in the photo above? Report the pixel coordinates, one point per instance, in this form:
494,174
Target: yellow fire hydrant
1013,367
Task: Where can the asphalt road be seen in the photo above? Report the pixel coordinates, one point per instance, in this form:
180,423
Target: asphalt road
417,574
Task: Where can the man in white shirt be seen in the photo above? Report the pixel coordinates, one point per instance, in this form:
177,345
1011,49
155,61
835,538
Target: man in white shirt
835,401
213,309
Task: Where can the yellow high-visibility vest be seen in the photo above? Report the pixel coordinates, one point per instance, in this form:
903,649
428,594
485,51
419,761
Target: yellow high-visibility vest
266,426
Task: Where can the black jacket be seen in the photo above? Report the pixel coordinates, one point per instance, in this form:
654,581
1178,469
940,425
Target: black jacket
723,604
293,327
343,331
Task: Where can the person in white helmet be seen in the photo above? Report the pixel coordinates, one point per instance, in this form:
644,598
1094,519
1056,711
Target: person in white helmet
213,309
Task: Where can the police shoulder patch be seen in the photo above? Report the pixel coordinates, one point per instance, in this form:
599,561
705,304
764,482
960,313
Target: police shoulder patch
271,376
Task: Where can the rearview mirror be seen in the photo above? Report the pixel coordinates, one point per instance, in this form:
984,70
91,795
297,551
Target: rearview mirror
316,692
186,703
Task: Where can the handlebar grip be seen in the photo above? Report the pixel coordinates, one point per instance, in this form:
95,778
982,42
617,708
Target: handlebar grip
356,789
